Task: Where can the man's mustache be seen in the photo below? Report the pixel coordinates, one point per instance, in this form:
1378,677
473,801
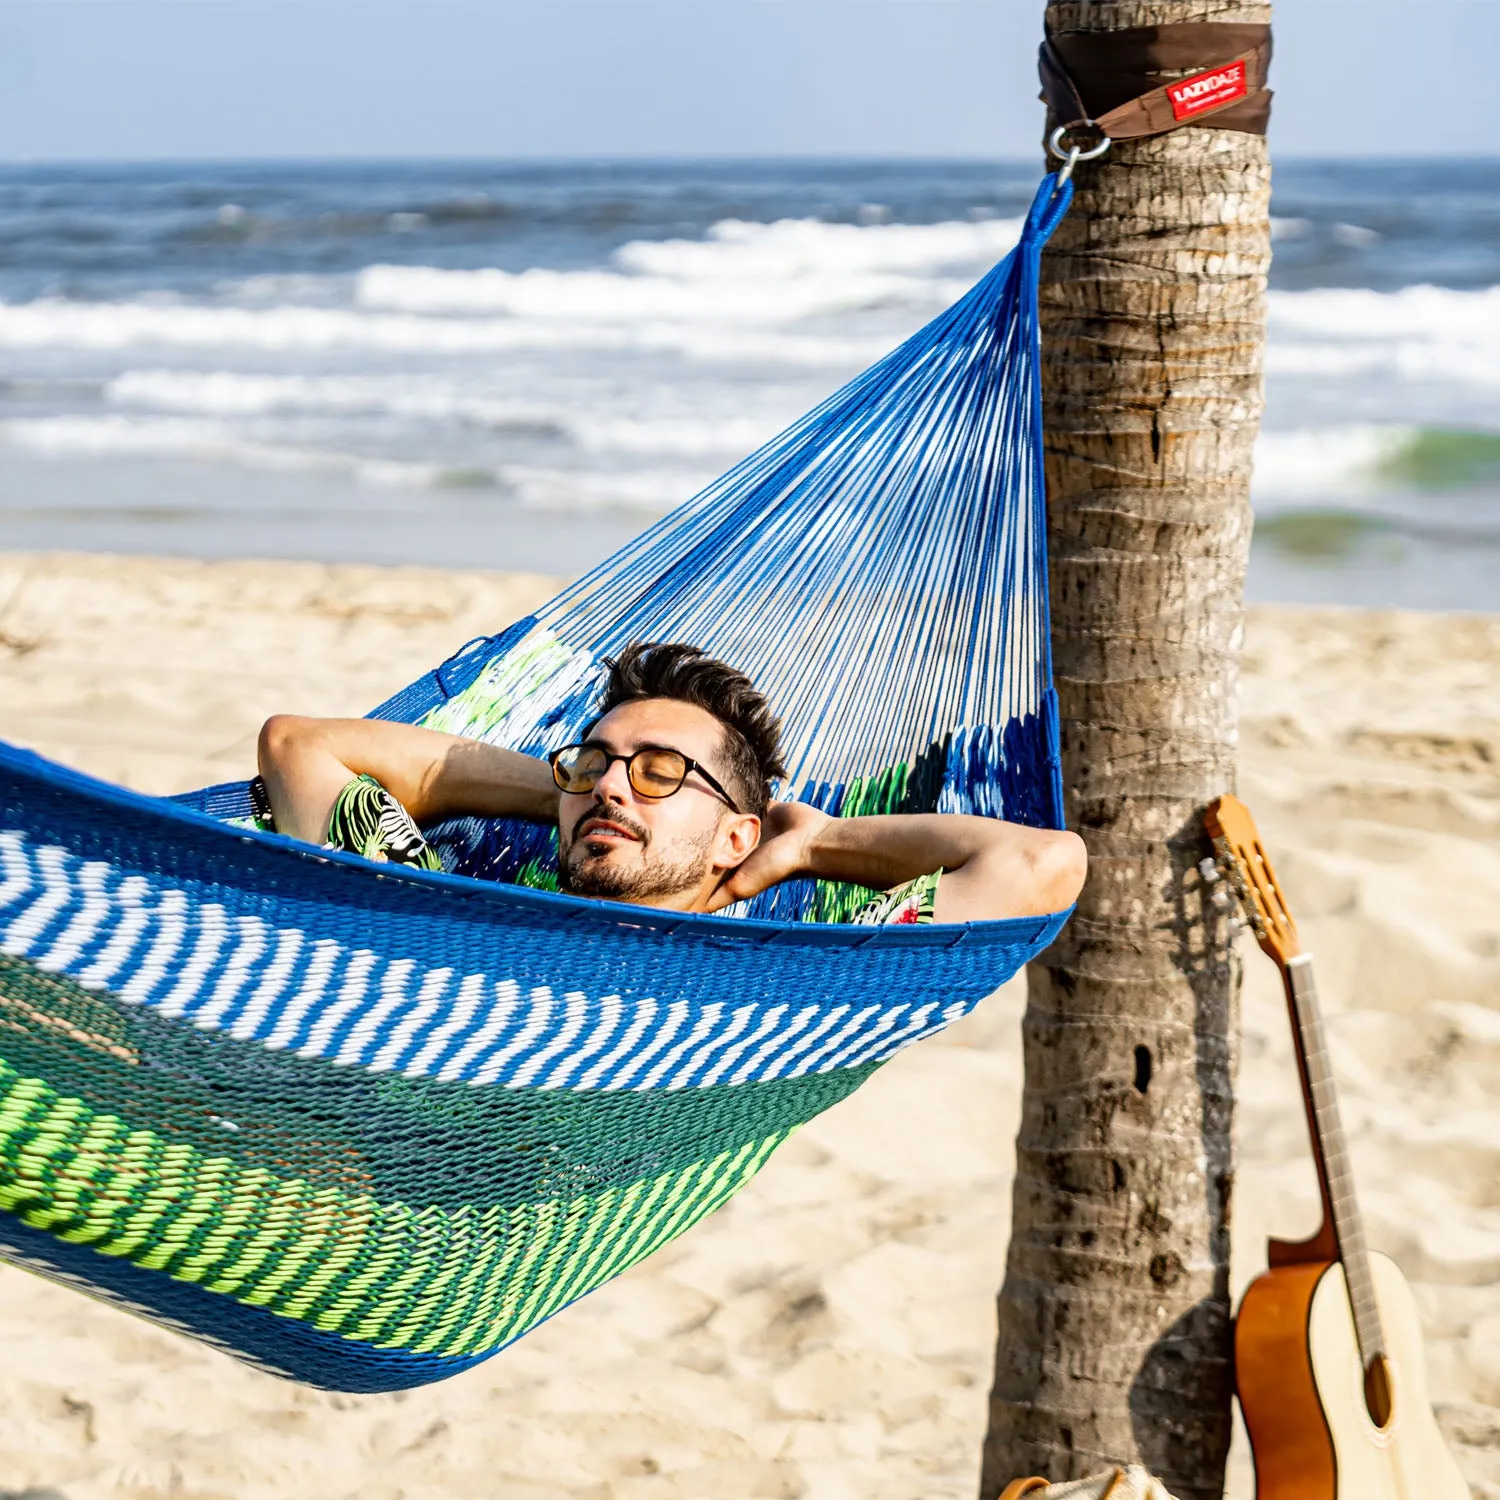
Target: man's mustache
601,812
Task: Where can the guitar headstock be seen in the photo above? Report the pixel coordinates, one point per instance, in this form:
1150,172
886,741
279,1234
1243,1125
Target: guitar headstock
1242,861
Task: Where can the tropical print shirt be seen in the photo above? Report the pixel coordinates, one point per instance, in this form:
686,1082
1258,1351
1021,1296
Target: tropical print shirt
369,821
366,819
912,902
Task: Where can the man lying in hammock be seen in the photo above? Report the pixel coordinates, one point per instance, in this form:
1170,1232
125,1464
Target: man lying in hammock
664,802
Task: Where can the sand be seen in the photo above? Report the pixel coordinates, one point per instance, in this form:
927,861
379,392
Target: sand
829,1334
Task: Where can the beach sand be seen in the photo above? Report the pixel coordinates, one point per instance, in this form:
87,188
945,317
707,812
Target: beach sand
829,1334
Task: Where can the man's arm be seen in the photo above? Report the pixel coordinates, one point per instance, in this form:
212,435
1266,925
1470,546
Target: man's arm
993,869
306,763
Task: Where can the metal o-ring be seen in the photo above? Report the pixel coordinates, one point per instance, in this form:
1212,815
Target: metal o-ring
1074,154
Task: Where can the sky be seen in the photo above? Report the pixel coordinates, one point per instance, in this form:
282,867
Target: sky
152,79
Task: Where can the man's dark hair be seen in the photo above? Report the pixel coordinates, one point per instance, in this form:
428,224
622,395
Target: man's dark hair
752,733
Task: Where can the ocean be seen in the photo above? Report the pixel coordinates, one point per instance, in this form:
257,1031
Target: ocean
518,365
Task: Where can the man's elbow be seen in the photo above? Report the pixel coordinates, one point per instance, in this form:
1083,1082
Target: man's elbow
281,737
1061,866
1021,872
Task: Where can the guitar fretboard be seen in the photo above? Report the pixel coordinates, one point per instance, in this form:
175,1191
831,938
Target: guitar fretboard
1333,1151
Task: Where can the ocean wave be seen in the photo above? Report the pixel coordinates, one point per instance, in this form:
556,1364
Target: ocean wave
232,223
1437,459
607,298
120,436
793,293
652,464
1342,460
1417,361
1352,458
723,439
54,323
228,393
740,273
1419,334
430,401
652,490
1424,312
796,247
1370,460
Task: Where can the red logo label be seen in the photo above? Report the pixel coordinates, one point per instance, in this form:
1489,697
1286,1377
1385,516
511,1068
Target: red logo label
1203,91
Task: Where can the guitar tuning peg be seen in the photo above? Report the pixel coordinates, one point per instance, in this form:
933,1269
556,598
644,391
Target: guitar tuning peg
1209,870
1236,926
1222,900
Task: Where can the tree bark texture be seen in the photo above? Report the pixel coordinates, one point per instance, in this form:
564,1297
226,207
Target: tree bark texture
1114,1318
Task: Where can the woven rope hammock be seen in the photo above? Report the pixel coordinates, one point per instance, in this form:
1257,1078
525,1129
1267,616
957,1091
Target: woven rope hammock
363,1126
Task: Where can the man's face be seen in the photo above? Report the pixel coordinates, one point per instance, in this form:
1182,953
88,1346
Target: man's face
659,851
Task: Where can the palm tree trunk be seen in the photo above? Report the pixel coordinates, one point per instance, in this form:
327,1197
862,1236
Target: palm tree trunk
1114,1319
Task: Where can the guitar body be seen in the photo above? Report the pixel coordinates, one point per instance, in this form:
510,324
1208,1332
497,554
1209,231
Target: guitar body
1330,1334
1301,1388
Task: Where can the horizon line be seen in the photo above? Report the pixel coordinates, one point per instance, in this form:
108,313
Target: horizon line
586,158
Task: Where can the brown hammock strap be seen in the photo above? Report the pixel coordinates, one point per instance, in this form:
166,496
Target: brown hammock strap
1148,80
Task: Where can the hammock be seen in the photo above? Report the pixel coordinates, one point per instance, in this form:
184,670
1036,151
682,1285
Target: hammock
363,1126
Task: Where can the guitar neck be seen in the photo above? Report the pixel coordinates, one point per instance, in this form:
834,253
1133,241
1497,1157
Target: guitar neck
1331,1150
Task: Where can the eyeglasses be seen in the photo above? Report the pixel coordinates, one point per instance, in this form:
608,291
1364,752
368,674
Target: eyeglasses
654,770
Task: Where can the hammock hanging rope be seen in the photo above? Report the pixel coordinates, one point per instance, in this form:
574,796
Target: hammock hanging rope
363,1126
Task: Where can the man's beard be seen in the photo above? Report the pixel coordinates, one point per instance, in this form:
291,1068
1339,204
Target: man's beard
583,874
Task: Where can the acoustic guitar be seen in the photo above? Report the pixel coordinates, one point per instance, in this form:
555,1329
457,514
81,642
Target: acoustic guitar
1328,1352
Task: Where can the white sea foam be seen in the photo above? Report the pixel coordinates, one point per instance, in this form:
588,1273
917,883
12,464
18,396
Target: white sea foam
740,273
799,247
604,298
1321,462
1438,361
650,489
134,437
235,394
1412,312
116,326
428,400
1422,334
725,439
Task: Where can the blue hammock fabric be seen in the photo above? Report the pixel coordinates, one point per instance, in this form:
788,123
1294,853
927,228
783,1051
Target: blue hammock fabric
364,1125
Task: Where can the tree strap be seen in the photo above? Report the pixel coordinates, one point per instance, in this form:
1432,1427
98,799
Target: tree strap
1108,79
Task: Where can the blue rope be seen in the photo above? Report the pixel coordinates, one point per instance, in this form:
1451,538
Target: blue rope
879,570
